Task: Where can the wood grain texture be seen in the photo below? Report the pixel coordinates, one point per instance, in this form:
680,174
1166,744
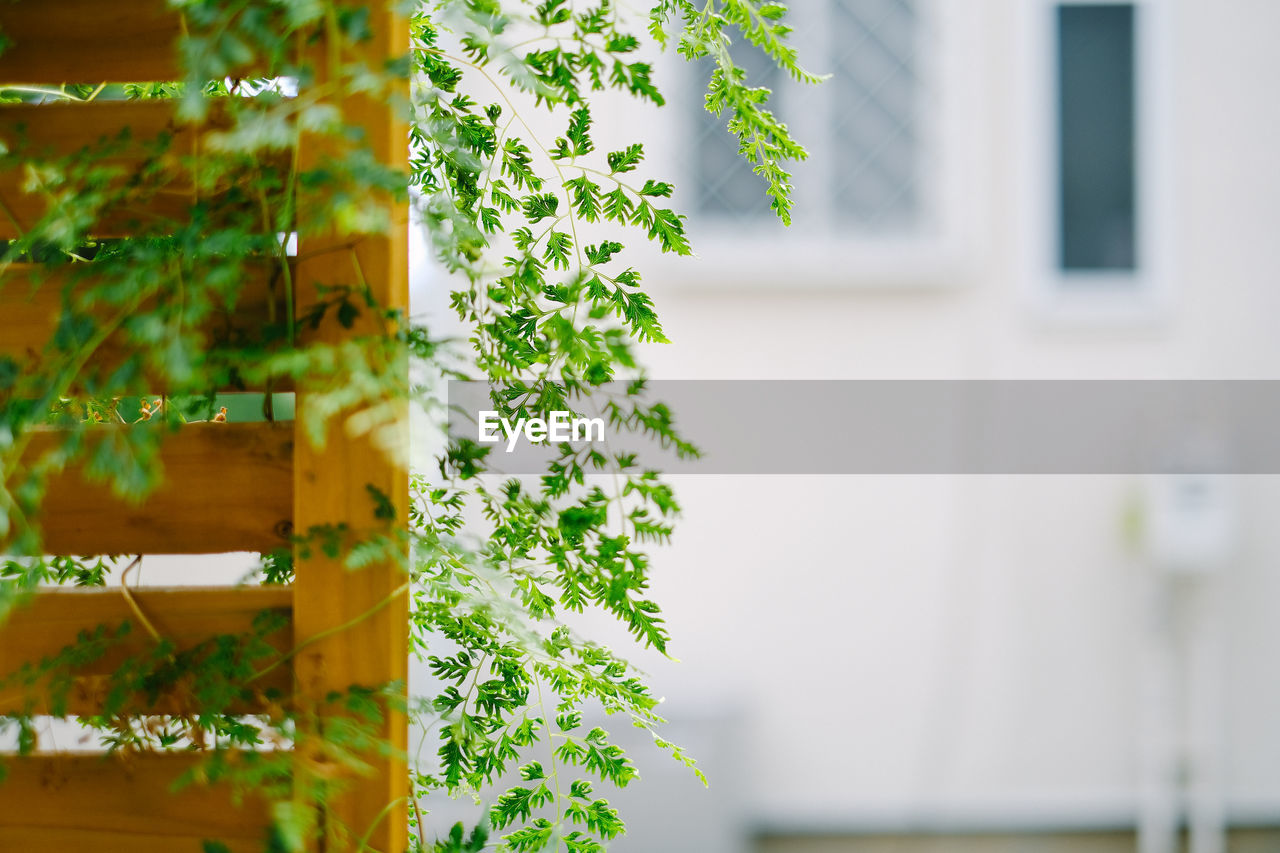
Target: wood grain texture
89,41
65,803
227,487
131,137
186,616
63,129
331,485
32,298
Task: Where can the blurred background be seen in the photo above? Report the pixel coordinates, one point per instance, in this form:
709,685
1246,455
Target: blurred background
998,189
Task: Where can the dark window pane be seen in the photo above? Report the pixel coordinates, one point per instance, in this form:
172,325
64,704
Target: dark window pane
1097,176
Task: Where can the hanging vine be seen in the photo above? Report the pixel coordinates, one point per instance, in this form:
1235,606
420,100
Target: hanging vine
209,204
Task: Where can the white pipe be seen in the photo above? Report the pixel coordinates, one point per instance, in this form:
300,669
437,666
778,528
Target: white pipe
1157,736
1207,810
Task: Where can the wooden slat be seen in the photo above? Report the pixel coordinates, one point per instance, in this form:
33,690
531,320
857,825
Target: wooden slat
186,616
227,487
59,804
59,130
331,484
66,126
31,300
89,41
63,129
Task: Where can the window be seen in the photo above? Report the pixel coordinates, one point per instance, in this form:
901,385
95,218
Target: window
879,116
880,199
1096,177
726,189
868,115
1096,194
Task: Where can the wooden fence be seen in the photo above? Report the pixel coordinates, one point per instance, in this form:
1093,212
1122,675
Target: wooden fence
257,483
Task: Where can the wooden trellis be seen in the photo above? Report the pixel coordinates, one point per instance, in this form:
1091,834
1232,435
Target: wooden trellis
257,482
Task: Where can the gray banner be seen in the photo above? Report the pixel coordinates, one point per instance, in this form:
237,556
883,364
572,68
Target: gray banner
917,427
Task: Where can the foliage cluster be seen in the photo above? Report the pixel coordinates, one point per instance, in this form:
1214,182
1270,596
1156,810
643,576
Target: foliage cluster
493,564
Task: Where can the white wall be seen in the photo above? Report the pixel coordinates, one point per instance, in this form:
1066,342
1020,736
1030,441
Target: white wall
971,649
948,650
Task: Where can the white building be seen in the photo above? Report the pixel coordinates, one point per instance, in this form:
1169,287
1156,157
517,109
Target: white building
999,189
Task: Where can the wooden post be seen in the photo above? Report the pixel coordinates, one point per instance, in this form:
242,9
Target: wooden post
352,626
360,616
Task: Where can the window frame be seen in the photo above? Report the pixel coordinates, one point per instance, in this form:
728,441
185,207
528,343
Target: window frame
1142,296
824,261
